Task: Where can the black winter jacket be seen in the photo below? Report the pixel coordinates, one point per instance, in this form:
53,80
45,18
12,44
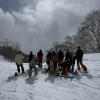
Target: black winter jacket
79,54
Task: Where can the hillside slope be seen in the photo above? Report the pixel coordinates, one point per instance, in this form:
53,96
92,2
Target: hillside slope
46,87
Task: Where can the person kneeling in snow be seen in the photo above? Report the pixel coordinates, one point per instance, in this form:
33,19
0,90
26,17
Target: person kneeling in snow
32,65
64,67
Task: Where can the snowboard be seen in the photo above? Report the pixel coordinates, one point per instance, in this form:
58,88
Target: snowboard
80,72
16,75
66,76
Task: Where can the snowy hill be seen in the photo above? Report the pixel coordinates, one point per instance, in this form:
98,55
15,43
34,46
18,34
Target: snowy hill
46,87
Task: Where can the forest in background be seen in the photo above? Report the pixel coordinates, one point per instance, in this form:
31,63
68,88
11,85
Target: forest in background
9,49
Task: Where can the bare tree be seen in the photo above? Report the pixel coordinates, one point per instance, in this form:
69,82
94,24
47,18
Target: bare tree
17,46
8,49
87,35
89,31
55,46
69,43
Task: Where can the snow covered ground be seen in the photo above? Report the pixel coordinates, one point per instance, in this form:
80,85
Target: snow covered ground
46,87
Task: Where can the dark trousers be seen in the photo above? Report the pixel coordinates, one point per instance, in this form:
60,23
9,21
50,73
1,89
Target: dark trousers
71,67
40,63
80,62
18,68
55,65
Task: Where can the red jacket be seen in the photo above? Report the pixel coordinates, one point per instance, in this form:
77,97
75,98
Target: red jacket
40,58
40,55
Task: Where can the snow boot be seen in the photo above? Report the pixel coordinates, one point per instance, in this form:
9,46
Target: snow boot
16,73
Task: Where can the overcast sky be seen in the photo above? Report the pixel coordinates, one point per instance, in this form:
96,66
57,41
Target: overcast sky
36,24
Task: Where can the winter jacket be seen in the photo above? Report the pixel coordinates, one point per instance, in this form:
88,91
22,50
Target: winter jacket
30,57
55,57
67,55
72,59
60,55
79,54
40,56
32,63
48,57
19,59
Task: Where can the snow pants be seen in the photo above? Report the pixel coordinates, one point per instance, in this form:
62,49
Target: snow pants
18,68
33,67
71,67
40,63
80,62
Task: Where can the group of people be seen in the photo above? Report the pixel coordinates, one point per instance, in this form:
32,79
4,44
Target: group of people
65,63
55,61
32,61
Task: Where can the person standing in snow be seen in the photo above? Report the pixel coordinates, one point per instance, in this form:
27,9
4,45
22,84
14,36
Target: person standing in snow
51,65
60,57
79,57
55,58
40,58
71,61
30,56
19,62
48,59
67,55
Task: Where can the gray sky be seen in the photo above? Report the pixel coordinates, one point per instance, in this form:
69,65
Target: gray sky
36,24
